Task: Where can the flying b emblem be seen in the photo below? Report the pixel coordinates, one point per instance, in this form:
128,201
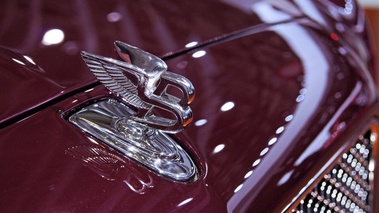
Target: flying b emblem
143,109
140,79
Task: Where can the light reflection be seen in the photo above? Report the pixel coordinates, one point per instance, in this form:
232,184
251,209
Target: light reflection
289,118
191,44
312,82
92,140
29,59
18,61
185,201
300,98
53,36
133,149
238,188
337,95
199,54
182,65
342,50
348,7
264,151
371,166
218,148
303,83
227,106
157,162
280,130
340,27
272,141
373,137
201,122
89,90
303,91
248,174
256,162
285,178
114,17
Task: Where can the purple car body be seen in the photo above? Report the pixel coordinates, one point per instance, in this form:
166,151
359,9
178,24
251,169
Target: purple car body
284,93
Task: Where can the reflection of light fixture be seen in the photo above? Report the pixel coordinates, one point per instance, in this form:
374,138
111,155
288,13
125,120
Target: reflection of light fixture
303,91
53,36
300,98
248,174
18,61
89,90
201,122
29,59
199,54
348,7
256,162
285,178
272,141
227,106
92,140
185,201
280,130
264,151
289,118
238,188
218,148
114,16
373,137
191,44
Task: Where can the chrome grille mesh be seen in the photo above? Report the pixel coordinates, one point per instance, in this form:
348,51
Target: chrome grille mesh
346,188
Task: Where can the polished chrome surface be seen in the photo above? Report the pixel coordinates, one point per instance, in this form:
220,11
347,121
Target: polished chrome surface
347,187
140,79
108,122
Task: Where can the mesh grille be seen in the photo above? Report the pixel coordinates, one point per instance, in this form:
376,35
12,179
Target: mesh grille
346,188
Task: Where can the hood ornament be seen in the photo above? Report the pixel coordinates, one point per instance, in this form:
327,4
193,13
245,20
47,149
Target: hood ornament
140,79
145,107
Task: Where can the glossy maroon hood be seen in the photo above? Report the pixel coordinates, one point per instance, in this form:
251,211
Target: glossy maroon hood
275,91
29,87
37,51
163,29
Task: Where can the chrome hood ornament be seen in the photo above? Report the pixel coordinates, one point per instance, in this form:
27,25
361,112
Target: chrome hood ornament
140,79
136,120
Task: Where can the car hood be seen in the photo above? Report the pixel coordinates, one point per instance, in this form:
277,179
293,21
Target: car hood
44,47
266,107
